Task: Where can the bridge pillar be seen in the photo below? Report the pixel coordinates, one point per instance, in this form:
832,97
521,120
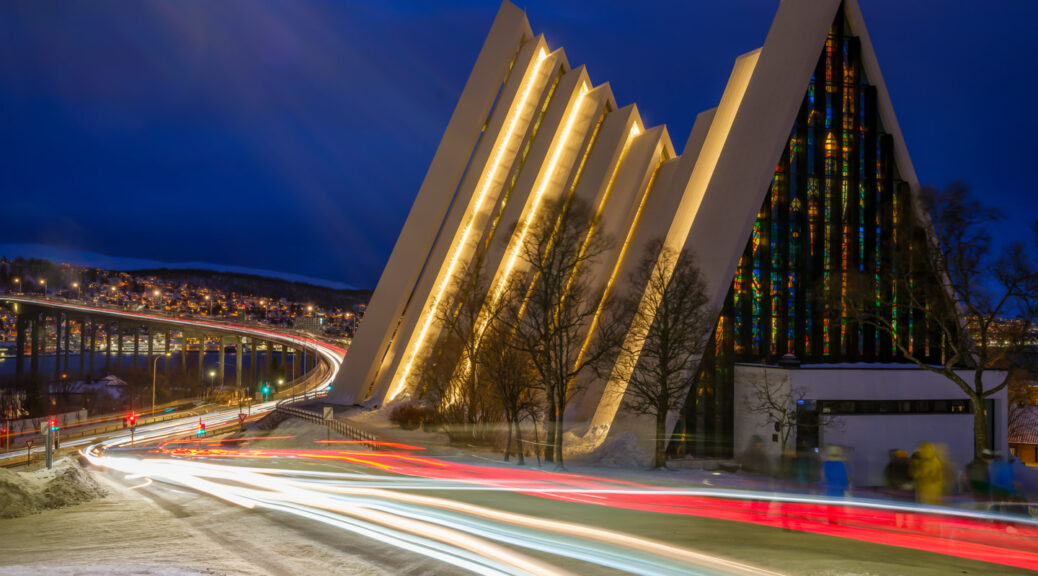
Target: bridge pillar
119,346
238,353
201,360
93,345
253,353
270,358
289,354
68,334
108,347
150,359
33,390
82,346
19,353
221,361
183,352
57,345
136,346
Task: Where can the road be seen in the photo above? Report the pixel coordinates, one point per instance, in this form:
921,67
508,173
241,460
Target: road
447,515
301,504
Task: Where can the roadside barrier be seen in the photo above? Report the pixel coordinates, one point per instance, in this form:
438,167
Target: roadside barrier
341,427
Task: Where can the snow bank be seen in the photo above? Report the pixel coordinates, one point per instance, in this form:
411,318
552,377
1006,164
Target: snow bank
66,484
99,570
621,451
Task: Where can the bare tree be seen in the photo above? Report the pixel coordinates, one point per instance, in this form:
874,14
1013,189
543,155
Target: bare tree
559,306
980,301
451,374
777,405
667,302
510,373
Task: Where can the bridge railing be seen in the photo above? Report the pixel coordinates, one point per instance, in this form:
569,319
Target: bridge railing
230,320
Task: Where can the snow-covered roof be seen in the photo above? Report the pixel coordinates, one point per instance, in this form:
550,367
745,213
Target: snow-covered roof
1024,429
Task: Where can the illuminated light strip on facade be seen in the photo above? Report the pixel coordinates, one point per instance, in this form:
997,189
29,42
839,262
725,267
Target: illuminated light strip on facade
621,257
484,188
517,242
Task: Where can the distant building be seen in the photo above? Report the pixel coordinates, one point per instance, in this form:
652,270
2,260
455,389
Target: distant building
1023,433
314,324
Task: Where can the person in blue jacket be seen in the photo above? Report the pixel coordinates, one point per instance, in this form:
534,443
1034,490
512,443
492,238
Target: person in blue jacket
834,472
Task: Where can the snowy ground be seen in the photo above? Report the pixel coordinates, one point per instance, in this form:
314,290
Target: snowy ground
147,528
152,529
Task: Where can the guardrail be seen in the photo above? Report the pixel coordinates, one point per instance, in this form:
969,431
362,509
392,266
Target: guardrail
340,427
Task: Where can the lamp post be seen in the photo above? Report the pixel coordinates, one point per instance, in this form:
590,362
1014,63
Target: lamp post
18,285
154,374
43,282
212,377
210,301
76,286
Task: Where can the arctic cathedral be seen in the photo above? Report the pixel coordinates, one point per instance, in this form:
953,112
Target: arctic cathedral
799,177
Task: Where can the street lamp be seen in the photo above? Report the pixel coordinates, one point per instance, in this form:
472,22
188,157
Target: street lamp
207,299
156,301
18,281
43,282
154,373
76,286
212,377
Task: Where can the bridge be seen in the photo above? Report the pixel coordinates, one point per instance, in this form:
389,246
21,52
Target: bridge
44,324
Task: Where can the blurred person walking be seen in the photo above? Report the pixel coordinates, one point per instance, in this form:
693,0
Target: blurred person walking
1003,484
927,474
834,472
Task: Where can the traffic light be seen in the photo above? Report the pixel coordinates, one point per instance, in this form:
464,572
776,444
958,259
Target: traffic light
132,419
201,428
53,424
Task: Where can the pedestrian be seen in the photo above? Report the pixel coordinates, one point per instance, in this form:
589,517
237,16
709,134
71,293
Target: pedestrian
895,475
1003,483
754,459
927,474
977,476
834,471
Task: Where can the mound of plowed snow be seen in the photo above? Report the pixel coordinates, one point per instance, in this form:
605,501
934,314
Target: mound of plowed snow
66,484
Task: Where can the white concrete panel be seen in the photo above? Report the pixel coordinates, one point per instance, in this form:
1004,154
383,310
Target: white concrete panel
509,30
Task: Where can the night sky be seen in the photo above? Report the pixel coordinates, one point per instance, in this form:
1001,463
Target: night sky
294,135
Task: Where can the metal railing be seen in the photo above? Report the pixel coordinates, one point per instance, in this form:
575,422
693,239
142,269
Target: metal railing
341,427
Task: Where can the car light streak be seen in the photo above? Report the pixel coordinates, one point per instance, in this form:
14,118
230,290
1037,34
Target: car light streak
974,535
459,537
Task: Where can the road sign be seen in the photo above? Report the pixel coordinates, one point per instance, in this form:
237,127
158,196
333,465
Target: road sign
241,416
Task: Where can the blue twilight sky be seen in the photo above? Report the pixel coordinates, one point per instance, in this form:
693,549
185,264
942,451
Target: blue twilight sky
294,134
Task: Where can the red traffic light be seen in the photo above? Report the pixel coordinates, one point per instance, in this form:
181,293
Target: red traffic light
53,424
132,419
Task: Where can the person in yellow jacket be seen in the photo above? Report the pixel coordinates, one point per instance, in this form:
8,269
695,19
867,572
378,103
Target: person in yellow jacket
928,474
